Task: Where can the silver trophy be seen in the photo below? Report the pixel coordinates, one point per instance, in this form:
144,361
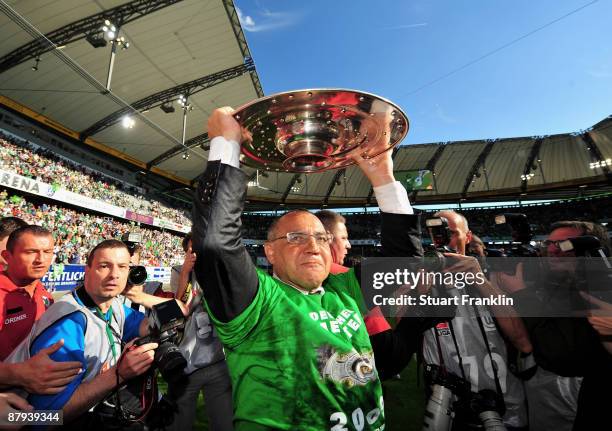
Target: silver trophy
317,130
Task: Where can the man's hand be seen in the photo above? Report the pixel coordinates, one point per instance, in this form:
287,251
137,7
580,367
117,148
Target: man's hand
379,170
223,123
189,262
134,293
136,360
10,402
41,375
600,318
510,283
461,263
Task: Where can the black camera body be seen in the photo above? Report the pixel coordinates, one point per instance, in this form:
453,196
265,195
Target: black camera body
519,248
165,324
434,259
521,234
138,273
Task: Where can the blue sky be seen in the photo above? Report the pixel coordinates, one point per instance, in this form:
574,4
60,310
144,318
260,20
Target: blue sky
555,80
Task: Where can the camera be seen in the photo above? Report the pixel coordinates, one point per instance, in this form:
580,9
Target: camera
520,247
138,273
165,322
434,259
477,410
521,234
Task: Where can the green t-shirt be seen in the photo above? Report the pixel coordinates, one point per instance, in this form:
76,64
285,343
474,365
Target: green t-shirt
303,362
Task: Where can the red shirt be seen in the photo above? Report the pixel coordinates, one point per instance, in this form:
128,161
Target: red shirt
374,320
19,311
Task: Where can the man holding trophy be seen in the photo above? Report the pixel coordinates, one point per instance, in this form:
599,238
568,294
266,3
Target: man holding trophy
297,348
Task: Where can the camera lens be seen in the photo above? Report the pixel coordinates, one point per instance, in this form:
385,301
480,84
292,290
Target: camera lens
170,361
137,275
434,261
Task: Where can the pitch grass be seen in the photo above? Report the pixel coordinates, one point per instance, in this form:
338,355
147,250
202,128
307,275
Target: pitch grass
404,402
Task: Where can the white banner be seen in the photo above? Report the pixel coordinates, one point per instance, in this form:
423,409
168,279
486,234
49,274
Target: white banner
71,198
18,182
167,224
14,181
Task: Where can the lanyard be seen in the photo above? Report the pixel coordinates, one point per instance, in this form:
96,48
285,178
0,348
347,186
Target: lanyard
109,332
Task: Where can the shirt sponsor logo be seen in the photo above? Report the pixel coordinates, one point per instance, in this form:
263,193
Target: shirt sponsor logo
15,319
443,329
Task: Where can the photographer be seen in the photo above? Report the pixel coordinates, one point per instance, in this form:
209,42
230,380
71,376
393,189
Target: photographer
470,345
95,327
568,346
206,369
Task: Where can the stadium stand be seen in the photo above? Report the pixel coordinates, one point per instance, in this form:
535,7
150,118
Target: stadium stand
31,161
76,233
365,226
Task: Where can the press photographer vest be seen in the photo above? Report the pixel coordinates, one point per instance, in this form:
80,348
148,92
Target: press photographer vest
98,352
200,344
475,357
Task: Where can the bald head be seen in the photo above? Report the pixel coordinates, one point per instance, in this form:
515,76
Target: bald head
281,222
460,232
458,219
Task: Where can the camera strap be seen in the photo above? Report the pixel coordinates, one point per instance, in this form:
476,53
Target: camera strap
452,331
493,363
108,329
440,356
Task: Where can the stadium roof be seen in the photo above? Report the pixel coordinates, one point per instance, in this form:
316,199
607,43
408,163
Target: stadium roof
198,48
176,47
538,167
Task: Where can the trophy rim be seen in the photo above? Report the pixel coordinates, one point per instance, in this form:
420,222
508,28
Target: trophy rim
330,89
344,162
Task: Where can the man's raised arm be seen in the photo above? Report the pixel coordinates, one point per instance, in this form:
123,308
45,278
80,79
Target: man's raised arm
223,264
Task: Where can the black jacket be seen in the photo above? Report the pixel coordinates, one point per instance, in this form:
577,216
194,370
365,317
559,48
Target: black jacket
225,268
570,347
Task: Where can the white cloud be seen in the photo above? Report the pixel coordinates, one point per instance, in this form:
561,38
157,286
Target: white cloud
246,21
442,115
600,72
406,26
267,20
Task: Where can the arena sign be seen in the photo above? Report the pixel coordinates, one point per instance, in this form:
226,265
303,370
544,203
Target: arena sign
15,181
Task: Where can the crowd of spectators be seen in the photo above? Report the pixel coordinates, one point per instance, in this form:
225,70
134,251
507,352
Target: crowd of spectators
481,220
76,233
31,161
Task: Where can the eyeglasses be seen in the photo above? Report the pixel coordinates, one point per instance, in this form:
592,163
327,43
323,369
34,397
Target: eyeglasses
547,243
299,238
560,244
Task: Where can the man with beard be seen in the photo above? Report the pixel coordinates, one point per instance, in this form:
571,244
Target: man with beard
567,346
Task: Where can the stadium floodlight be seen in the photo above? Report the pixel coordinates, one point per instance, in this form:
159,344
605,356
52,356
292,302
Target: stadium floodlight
600,163
128,122
527,177
167,107
182,100
185,155
109,33
35,67
109,29
122,43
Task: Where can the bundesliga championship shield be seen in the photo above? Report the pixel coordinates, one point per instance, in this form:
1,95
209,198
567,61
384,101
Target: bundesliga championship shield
317,130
